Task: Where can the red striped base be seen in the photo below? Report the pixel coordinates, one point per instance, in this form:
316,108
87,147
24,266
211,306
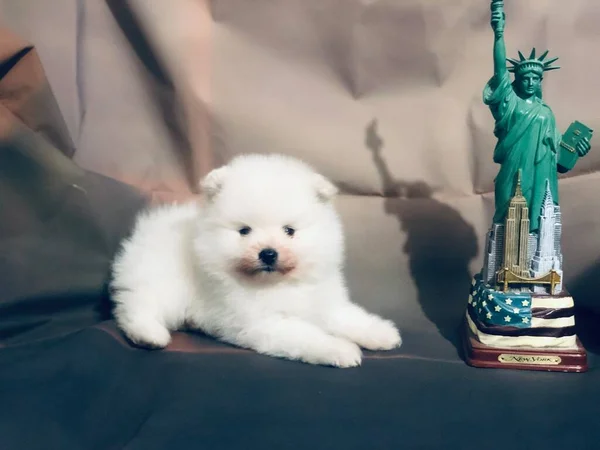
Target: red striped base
543,359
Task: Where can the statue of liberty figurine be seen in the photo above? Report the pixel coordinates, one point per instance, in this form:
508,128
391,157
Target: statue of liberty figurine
528,138
518,301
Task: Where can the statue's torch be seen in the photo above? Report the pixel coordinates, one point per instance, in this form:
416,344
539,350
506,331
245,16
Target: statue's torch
498,6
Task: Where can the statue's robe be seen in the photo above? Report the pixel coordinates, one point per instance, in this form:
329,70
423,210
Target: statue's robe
528,140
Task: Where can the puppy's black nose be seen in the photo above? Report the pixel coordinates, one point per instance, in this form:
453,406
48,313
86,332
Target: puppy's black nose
268,256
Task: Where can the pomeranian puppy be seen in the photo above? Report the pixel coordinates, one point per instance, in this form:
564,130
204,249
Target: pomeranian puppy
259,265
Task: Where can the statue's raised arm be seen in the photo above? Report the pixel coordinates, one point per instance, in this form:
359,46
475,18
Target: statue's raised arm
497,22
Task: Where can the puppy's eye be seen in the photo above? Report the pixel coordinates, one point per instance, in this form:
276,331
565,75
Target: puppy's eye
289,231
245,231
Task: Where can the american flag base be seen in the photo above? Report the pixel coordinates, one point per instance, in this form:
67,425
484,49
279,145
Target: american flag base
521,330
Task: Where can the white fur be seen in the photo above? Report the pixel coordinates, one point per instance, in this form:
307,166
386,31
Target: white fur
179,269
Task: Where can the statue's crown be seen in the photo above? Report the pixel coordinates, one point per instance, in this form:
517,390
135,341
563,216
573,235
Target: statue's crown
531,64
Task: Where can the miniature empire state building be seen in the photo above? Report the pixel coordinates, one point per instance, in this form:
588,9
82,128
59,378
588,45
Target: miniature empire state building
517,236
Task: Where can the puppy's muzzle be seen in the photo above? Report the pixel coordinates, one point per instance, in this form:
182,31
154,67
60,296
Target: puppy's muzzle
268,257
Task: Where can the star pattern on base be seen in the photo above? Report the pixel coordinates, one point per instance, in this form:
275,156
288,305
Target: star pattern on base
495,308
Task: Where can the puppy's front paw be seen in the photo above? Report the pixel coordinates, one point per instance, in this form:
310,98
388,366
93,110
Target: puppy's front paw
381,335
343,354
149,334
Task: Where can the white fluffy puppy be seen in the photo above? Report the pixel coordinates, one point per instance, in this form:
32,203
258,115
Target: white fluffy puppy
259,265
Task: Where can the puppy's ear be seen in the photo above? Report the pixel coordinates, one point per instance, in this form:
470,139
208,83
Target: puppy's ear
212,183
326,190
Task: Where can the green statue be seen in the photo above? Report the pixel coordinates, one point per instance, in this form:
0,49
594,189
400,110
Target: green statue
528,138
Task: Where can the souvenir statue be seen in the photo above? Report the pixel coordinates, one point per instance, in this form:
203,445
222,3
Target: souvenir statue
519,313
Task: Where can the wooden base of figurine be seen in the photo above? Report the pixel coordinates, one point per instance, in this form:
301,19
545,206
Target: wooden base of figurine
523,358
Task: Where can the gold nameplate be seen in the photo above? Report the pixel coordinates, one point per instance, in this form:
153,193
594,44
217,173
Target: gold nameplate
533,360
